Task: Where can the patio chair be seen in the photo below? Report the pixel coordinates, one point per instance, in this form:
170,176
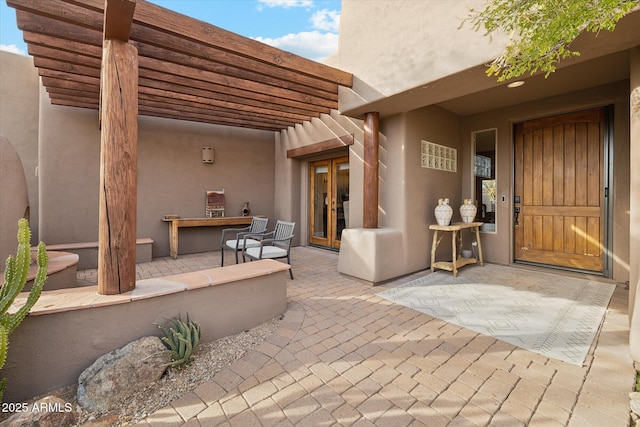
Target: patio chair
257,226
273,245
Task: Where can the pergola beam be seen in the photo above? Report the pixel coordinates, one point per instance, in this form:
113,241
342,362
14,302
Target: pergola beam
179,25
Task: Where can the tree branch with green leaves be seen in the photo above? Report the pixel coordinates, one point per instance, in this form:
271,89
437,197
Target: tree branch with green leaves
541,31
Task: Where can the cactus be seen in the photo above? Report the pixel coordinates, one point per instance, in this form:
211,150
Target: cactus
181,339
15,277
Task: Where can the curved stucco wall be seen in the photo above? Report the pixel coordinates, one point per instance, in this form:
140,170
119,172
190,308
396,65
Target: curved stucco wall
19,122
14,201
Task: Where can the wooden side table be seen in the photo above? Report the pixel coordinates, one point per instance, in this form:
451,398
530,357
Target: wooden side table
177,223
456,240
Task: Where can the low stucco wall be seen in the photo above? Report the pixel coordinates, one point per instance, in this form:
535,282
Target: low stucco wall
374,255
53,345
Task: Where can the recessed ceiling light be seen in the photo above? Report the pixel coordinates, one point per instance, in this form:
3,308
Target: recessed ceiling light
517,83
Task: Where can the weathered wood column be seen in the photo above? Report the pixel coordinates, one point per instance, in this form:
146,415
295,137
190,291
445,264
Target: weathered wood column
370,181
118,153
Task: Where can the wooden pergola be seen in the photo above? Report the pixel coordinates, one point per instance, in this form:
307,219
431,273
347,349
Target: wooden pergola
130,57
188,69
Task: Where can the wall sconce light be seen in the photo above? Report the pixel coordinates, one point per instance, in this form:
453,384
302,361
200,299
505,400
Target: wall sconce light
208,155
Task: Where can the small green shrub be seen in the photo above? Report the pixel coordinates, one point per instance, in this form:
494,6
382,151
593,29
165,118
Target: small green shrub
15,277
181,338
637,387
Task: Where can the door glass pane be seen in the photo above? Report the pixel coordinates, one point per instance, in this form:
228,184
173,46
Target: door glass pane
320,200
484,171
342,199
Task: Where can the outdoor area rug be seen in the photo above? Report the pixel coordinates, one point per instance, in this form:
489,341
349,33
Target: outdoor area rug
549,314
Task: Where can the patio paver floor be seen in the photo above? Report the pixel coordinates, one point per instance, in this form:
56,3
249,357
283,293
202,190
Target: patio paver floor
343,356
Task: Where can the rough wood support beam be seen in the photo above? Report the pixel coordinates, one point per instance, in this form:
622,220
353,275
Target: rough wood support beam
118,169
370,197
118,18
320,147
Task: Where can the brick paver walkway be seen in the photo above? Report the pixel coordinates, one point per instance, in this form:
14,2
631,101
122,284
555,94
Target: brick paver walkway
343,356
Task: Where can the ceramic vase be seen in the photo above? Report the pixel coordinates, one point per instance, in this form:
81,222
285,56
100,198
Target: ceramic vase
245,209
468,211
443,212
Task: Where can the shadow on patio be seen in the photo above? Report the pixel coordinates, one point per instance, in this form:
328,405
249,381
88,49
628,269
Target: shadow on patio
344,355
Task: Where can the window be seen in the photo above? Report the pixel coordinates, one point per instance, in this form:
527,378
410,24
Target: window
484,178
435,156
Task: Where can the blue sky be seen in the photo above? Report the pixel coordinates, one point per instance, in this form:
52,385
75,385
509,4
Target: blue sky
306,27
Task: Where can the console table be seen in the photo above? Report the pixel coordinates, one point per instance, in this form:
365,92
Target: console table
456,241
176,223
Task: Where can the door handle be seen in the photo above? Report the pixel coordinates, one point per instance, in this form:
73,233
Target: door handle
516,212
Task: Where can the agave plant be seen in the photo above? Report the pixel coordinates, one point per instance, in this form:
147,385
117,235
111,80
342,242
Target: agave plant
181,338
15,277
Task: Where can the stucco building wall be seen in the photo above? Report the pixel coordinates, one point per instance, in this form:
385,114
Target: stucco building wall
19,120
292,174
172,179
497,247
406,55
423,187
409,43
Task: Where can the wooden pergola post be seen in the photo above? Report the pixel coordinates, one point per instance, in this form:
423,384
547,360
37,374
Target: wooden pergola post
118,152
370,181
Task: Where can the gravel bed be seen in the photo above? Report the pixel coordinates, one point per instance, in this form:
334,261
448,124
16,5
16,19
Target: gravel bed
209,359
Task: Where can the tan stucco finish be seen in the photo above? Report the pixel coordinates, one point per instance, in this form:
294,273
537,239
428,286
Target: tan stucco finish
425,76
14,200
172,179
392,46
19,122
69,329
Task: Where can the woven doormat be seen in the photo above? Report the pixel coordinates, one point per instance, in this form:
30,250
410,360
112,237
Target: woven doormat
549,314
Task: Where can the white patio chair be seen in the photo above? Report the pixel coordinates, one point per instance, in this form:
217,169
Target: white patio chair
257,226
273,245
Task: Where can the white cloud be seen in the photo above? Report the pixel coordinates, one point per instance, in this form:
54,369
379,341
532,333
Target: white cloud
309,44
287,3
317,44
12,48
326,20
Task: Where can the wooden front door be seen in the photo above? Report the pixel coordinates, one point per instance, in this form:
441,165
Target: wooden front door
559,191
329,201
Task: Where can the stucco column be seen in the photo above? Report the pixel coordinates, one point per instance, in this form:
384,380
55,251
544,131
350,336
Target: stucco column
370,181
634,196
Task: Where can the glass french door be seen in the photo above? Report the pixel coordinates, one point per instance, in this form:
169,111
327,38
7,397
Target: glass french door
329,201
